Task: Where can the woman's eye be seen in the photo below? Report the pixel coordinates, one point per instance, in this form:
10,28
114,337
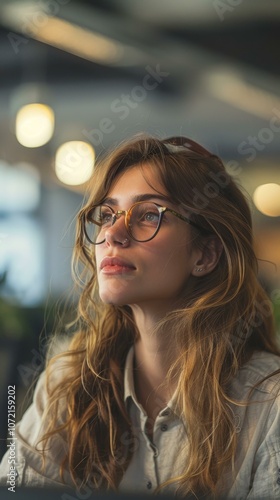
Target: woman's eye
150,217
105,217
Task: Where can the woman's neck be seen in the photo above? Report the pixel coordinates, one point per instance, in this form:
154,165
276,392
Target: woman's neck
154,355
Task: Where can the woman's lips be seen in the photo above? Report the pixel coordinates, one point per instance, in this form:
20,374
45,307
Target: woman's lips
115,265
117,269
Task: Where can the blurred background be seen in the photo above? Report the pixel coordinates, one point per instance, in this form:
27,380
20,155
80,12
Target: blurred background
79,76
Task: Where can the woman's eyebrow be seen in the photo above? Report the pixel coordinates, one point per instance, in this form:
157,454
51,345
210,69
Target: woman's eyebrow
139,197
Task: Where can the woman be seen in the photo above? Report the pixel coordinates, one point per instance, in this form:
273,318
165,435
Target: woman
171,381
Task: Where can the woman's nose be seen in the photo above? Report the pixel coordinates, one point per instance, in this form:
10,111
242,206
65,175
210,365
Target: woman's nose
116,233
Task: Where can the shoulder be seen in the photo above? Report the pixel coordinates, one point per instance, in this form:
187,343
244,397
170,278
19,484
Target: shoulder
31,469
56,372
261,372
59,366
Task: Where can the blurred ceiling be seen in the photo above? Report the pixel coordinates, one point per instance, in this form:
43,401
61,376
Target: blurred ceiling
207,69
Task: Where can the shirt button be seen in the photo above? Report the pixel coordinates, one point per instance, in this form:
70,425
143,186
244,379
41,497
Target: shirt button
163,427
149,485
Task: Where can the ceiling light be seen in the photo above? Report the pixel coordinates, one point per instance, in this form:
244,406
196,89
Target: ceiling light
74,162
80,41
34,125
229,86
52,30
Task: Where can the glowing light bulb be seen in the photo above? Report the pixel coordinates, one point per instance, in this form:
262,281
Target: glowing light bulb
34,125
74,162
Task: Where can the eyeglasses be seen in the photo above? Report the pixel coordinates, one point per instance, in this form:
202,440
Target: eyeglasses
142,221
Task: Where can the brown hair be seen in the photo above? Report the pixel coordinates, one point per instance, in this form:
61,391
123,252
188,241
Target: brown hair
230,301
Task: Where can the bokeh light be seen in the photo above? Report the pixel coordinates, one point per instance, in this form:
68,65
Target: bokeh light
34,125
74,162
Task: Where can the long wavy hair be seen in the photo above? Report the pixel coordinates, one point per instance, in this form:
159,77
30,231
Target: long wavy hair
225,318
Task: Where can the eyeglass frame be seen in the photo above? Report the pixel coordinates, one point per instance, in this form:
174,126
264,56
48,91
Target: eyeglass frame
115,215
175,141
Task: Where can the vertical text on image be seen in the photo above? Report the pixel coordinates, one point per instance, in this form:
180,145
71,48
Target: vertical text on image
11,438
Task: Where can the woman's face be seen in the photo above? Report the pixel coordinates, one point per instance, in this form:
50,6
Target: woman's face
147,274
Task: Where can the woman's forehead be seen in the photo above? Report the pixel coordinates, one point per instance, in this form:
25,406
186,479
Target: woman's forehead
138,178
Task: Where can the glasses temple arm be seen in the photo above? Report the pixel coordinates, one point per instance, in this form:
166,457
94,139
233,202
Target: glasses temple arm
186,219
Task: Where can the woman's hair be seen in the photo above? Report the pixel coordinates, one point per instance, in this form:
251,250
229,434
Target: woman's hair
222,320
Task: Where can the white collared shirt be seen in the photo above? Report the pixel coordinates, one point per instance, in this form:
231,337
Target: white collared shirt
257,464
151,462
257,473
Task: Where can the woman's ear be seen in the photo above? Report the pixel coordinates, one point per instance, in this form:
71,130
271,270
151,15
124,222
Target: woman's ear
211,252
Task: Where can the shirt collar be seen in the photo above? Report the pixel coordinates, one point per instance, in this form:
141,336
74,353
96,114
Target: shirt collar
129,389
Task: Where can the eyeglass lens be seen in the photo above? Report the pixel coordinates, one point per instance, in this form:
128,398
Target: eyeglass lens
143,221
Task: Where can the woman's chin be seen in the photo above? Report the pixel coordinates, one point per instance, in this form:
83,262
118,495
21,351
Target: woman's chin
113,298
